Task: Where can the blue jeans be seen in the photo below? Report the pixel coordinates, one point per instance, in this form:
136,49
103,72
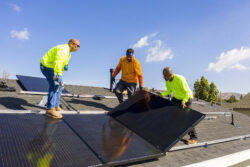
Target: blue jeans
54,95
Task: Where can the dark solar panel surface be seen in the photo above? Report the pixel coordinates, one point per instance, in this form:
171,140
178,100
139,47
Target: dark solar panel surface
28,140
35,84
156,119
114,143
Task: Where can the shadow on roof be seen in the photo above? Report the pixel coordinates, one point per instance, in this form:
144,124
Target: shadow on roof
14,103
91,103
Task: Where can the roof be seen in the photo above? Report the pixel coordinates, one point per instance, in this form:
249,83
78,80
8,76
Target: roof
244,103
217,128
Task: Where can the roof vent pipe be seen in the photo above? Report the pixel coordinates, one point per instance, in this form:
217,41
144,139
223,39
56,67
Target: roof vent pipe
111,79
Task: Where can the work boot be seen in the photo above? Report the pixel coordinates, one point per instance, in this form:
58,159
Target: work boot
53,113
58,108
191,141
51,121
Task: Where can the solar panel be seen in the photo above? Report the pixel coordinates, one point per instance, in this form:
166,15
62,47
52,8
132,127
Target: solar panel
156,119
114,143
34,140
35,84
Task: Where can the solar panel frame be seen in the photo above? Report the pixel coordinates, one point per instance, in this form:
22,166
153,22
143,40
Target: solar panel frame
137,113
35,84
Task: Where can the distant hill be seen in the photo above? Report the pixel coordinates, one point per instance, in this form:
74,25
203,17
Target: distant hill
224,96
227,95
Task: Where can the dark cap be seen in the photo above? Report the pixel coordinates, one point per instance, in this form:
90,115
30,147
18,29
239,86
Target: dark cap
130,52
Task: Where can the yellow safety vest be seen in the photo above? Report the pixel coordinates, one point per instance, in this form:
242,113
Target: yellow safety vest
179,87
57,58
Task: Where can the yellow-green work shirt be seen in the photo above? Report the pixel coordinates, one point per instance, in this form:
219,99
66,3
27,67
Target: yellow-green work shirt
57,58
179,87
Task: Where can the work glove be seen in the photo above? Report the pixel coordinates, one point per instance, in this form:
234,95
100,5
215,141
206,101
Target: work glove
158,93
59,79
66,67
113,79
140,87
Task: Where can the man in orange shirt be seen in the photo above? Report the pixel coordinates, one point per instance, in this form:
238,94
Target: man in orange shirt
131,73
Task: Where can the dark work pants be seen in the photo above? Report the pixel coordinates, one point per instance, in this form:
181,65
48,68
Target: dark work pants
192,133
121,86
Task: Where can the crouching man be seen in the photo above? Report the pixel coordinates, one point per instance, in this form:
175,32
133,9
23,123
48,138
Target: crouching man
183,96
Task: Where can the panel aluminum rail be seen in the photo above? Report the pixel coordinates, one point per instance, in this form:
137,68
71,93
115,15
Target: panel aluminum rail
66,94
217,113
207,143
43,112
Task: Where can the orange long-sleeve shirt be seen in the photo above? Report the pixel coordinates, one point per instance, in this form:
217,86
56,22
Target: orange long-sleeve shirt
131,71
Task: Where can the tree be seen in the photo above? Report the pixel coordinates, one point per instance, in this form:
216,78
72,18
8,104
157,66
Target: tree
197,87
206,92
204,89
232,99
213,93
5,75
241,97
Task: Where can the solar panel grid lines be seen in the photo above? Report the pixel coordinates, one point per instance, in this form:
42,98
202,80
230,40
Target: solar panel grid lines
84,141
26,139
114,143
34,131
35,84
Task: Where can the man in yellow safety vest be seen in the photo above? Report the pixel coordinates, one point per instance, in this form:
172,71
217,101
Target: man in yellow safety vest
52,65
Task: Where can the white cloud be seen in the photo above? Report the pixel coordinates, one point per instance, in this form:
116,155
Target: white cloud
155,48
158,52
21,35
143,41
231,60
16,7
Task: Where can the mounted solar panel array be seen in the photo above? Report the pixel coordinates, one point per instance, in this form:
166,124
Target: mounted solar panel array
142,128
35,84
78,140
34,140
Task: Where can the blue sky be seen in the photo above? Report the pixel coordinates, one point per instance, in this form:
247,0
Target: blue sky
196,38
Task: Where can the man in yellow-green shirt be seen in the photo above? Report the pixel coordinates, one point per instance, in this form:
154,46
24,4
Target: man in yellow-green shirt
183,96
52,65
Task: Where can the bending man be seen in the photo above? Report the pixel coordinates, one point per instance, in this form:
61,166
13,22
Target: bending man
131,73
183,96
53,63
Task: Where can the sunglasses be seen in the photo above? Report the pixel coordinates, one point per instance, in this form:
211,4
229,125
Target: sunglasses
76,44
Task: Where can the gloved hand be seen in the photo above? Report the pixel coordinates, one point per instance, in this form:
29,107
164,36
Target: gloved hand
113,79
66,67
59,80
158,93
140,87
